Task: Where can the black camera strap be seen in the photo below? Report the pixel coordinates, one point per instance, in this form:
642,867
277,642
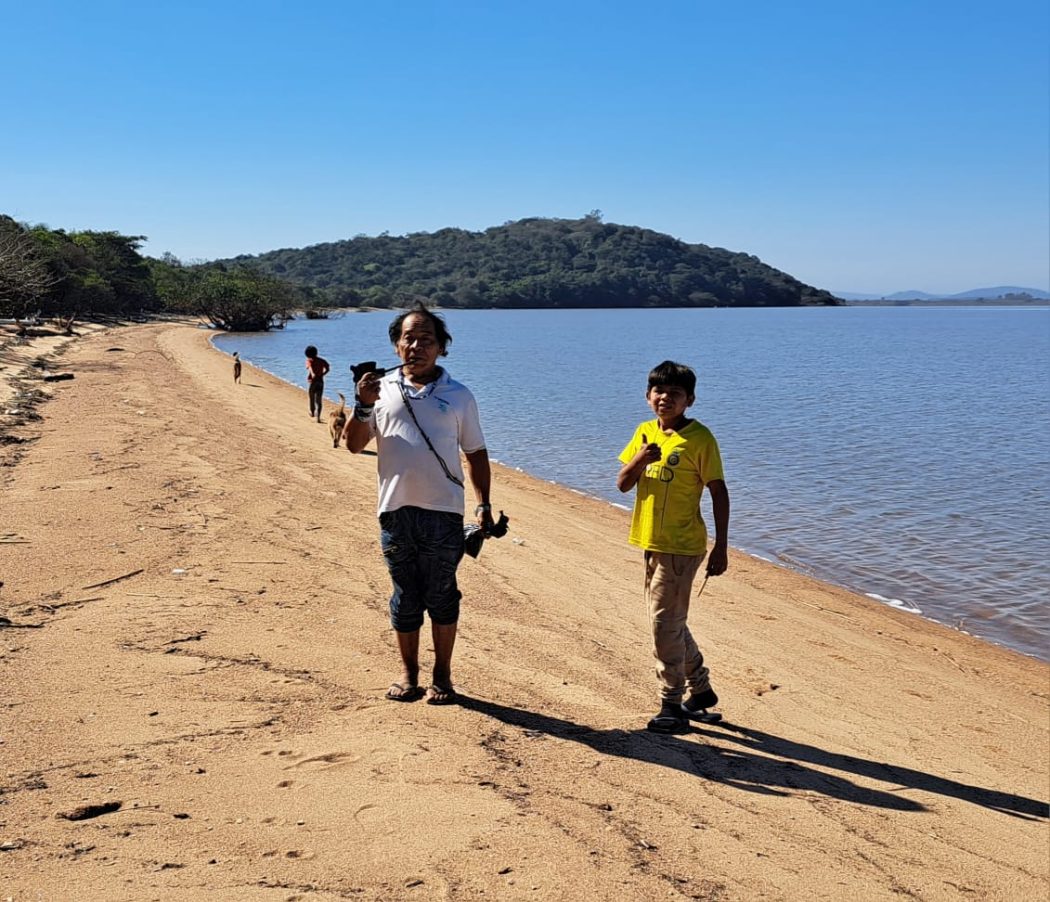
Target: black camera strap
426,438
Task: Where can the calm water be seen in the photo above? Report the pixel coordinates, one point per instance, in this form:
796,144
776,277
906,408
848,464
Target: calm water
901,452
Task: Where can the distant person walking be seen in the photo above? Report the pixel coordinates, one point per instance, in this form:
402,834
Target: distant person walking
316,369
671,459
422,419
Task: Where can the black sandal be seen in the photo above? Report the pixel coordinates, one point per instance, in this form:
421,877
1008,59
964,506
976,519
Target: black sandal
695,707
669,721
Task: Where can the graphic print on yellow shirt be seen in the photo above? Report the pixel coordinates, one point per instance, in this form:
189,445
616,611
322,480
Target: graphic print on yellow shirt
667,514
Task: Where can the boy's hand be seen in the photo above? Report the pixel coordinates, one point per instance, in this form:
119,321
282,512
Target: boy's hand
649,452
717,561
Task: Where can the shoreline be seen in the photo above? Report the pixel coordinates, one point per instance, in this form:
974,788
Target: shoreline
821,574
197,629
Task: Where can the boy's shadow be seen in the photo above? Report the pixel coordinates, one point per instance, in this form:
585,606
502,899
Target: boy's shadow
742,768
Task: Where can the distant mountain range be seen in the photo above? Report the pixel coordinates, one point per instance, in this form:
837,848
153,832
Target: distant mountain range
974,294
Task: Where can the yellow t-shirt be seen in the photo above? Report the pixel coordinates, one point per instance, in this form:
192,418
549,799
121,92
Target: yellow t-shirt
667,514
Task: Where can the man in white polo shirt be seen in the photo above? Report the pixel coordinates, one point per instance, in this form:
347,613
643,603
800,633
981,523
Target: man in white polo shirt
421,419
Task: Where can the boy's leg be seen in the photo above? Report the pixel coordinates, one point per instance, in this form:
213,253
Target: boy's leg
697,676
316,398
668,585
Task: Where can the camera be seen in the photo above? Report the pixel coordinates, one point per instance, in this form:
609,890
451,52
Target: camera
368,366
474,536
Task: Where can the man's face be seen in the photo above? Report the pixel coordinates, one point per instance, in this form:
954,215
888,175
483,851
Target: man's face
418,345
668,401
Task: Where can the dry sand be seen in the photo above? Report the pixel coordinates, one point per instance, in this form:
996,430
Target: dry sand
195,628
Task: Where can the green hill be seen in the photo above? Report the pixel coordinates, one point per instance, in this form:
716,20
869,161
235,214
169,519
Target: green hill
536,263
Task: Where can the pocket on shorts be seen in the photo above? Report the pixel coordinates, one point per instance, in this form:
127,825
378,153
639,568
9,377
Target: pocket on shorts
444,534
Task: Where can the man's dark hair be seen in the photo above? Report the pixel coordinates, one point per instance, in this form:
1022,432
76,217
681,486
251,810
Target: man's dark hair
440,331
671,373
310,351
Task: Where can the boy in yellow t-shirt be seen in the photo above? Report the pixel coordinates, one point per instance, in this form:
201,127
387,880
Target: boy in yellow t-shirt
671,459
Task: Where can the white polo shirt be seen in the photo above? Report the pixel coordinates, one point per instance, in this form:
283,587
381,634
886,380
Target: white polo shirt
409,474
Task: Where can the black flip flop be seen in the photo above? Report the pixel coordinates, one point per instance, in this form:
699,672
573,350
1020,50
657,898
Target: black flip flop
446,695
404,692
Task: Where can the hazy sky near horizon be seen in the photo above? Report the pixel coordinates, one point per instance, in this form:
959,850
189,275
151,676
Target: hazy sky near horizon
868,147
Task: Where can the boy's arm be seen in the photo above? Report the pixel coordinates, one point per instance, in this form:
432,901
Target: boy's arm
632,471
324,368
718,562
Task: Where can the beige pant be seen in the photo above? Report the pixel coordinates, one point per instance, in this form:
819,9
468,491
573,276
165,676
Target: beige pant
668,586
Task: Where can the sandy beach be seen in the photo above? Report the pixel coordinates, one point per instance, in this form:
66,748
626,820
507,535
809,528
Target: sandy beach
194,648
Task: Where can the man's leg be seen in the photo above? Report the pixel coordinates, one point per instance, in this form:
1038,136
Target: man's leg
408,646
406,605
441,550
444,642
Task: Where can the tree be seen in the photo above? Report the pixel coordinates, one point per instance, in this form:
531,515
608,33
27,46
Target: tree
539,263
24,276
116,259
243,300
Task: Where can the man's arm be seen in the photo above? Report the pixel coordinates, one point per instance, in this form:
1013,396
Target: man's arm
718,562
356,432
480,474
356,435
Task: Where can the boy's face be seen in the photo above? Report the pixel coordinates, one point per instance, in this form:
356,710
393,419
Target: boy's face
669,402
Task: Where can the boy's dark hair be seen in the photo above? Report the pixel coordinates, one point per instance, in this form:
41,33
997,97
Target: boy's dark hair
311,351
441,332
671,373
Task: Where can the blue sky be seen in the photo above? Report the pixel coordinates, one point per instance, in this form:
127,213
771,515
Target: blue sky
860,146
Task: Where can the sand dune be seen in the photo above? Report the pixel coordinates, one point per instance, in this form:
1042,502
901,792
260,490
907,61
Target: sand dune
195,628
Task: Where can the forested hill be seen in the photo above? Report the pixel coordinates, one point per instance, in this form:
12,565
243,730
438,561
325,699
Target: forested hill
536,263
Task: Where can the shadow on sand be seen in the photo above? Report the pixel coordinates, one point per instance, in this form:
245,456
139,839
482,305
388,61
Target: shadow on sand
763,763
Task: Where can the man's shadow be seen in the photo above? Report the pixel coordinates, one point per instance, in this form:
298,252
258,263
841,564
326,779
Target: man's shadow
774,770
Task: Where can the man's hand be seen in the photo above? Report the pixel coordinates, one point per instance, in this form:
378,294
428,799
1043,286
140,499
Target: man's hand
368,389
483,517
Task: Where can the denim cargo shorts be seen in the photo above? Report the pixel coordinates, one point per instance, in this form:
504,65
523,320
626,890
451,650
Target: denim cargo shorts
422,549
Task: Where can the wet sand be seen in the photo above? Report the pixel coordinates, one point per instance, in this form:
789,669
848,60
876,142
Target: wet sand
195,628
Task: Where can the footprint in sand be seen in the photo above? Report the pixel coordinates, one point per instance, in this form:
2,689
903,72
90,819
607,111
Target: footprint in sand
325,761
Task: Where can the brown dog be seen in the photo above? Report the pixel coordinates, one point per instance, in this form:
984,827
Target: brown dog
236,368
337,420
